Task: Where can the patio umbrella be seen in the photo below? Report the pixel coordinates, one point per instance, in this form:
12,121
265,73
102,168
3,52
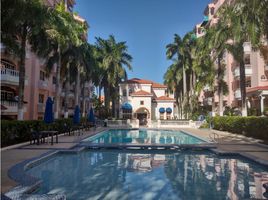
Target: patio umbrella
76,118
91,117
48,117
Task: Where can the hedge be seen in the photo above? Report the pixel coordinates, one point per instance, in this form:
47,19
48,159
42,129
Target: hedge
252,126
14,132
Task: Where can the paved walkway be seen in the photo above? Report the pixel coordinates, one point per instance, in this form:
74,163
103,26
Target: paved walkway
227,142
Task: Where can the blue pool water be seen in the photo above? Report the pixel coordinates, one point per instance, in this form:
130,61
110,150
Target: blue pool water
150,175
141,136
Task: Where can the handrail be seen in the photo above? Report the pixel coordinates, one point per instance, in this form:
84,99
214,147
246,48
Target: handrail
214,137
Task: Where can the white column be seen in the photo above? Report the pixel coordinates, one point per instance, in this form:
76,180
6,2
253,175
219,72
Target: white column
262,105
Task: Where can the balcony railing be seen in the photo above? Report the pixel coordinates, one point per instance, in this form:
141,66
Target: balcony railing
43,84
10,76
248,71
11,106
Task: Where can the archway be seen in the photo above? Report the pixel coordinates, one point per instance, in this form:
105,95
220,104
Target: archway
142,114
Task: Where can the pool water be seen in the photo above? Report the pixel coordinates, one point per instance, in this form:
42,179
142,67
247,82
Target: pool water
150,175
141,136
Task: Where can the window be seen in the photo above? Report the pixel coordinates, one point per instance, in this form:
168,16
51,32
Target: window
42,75
127,114
6,95
212,10
124,92
247,59
248,82
168,116
141,102
41,98
54,80
130,91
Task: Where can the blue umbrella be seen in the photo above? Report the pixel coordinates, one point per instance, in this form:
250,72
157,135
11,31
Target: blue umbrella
91,117
48,117
76,118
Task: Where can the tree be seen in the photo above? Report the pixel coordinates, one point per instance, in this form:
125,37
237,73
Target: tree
21,20
246,22
113,58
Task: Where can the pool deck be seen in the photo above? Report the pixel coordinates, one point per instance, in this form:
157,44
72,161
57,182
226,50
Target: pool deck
226,143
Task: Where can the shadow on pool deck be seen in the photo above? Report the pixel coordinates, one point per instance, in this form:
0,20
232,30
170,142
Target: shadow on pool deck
227,142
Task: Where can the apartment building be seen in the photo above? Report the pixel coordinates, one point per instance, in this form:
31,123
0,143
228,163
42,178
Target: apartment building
38,85
256,70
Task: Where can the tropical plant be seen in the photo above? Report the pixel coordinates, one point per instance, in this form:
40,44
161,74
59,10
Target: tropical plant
20,24
113,58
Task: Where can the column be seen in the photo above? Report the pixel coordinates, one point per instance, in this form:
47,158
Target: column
262,104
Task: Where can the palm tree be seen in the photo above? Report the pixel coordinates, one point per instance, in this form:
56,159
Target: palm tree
244,25
21,20
64,31
113,58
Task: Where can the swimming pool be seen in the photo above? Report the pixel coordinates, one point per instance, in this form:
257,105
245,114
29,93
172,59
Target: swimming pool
150,175
143,136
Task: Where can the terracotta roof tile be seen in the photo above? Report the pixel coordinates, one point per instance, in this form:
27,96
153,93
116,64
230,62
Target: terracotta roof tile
143,81
164,98
257,88
141,93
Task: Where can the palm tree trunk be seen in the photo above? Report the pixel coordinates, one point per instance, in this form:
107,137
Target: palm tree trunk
66,96
77,87
58,89
22,74
220,87
107,97
84,100
243,87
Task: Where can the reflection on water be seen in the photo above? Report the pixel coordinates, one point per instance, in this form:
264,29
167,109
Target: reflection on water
144,137
135,175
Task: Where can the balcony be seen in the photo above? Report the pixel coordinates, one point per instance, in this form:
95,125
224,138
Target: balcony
237,94
41,107
207,101
248,71
43,84
11,77
10,107
247,47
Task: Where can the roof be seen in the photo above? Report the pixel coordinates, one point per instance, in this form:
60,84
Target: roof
143,81
258,88
141,93
164,98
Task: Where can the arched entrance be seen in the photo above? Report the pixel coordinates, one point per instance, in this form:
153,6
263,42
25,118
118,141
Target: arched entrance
142,114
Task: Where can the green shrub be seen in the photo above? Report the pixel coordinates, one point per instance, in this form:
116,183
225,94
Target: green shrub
252,126
14,132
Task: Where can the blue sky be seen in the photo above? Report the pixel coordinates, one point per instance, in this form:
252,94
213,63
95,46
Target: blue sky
146,25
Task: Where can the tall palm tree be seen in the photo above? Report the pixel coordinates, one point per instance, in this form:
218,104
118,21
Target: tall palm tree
63,32
21,20
114,58
245,25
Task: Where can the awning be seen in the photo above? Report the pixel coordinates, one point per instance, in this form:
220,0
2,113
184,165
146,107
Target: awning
126,106
168,110
161,110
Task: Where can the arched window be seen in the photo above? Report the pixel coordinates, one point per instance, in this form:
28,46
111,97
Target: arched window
130,91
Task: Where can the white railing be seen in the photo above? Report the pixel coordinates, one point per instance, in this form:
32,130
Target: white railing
43,84
11,106
248,71
113,123
11,76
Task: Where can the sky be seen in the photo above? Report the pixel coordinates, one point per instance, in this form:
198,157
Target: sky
146,25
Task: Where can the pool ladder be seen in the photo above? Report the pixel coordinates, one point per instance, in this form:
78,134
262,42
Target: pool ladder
214,137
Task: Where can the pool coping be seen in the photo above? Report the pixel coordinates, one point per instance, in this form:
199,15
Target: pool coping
204,140
30,183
